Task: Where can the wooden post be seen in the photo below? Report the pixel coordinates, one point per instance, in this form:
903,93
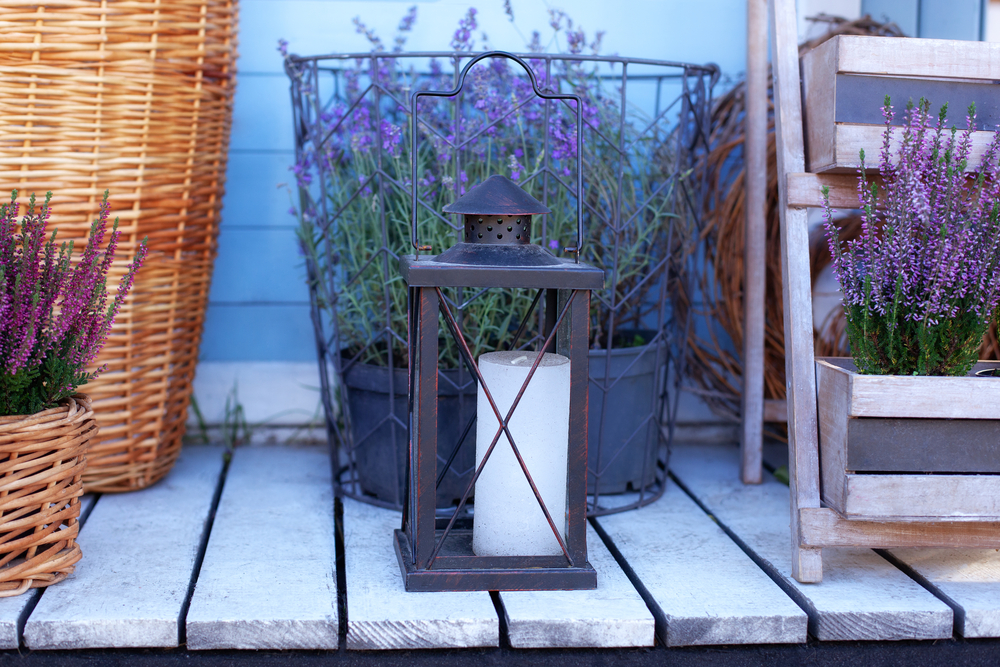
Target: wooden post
755,242
800,374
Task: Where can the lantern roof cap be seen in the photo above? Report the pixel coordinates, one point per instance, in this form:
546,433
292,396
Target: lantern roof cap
497,195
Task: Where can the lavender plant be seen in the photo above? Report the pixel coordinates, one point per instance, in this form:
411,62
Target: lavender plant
54,311
364,165
922,282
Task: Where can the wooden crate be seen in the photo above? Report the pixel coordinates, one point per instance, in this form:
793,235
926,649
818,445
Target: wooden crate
845,81
908,448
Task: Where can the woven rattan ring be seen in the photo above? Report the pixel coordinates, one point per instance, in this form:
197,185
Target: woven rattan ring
42,458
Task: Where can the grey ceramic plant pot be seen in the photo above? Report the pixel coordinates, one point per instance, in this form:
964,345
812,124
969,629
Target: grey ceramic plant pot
622,430
380,443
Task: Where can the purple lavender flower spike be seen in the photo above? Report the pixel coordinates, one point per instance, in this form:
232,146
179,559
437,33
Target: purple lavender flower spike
462,39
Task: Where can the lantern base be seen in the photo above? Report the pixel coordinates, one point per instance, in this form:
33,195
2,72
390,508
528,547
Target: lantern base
458,569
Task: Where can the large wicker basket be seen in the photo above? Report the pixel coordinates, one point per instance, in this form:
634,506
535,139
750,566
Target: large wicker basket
42,459
134,97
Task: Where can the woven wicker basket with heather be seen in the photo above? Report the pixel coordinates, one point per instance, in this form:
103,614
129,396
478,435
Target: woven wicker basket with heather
922,282
54,319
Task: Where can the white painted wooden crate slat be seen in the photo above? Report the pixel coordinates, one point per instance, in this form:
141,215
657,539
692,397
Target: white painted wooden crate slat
11,609
139,551
268,580
707,590
613,615
971,580
862,596
382,615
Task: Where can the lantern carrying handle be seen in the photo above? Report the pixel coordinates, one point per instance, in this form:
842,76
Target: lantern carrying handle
414,99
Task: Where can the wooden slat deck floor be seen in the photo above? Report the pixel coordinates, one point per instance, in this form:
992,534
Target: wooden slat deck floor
243,555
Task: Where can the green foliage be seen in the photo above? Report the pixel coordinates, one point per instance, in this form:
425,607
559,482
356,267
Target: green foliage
884,345
921,283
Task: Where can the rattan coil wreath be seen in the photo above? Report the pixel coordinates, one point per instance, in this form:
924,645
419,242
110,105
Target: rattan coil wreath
134,97
42,459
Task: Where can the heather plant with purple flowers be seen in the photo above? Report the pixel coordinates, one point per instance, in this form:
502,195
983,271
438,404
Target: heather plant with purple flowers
922,282
54,310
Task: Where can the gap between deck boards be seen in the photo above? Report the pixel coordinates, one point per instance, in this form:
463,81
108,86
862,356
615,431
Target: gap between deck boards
138,561
199,560
16,640
972,618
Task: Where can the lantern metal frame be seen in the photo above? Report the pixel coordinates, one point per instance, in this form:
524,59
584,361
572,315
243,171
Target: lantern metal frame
436,554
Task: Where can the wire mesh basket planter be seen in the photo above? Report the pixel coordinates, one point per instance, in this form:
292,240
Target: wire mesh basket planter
645,124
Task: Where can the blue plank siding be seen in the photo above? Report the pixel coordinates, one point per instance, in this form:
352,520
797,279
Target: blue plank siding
935,19
904,13
952,19
258,264
262,114
702,31
253,196
257,324
258,332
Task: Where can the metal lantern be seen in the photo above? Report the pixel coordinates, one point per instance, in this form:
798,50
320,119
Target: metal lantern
437,554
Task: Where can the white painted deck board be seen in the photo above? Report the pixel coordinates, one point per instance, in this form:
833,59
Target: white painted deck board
382,615
969,577
268,580
11,609
707,590
862,596
139,551
614,615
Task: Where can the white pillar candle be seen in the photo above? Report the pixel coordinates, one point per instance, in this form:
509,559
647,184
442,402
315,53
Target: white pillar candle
507,520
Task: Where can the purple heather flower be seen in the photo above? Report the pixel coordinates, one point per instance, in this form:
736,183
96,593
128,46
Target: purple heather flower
929,248
302,175
535,45
595,46
515,167
556,18
554,244
54,316
575,41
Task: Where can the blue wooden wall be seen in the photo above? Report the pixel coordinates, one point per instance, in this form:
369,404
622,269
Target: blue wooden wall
258,306
936,19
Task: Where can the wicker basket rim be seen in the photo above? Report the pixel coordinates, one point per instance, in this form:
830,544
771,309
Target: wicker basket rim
71,410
